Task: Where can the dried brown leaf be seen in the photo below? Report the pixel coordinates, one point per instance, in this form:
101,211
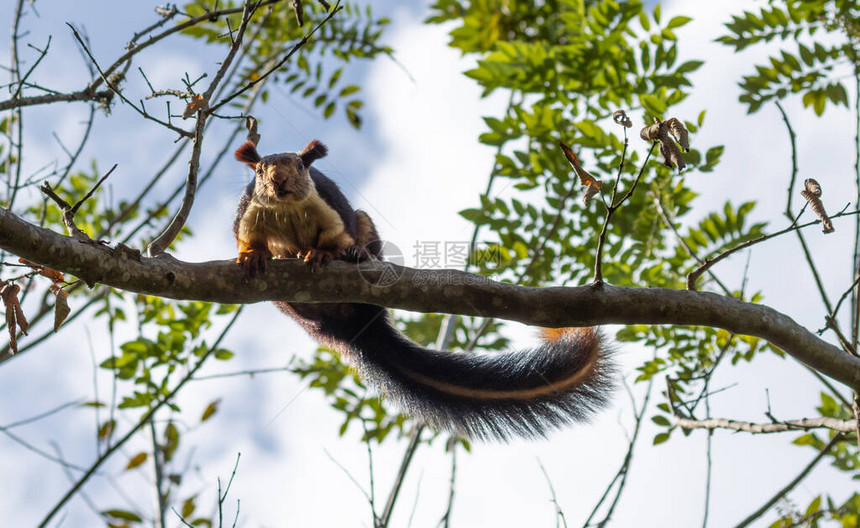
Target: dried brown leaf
50,273
251,125
669,150
61,306
197,103
20,318
589,193
812,186
13,308
671,154
585,177
679,132
652,132
591,183
10,325
812,194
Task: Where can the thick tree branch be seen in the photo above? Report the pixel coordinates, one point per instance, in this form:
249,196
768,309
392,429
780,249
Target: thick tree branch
446,291
83,95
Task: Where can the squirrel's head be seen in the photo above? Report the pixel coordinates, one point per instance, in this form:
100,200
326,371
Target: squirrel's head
282,177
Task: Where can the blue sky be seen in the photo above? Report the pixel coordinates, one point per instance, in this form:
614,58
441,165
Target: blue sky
415,163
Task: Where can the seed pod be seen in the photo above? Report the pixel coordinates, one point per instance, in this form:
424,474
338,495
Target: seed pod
812,194
620,118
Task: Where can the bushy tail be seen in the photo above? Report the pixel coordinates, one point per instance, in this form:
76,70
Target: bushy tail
521,393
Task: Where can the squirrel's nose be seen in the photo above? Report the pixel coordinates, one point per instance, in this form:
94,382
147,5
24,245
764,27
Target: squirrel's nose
278,176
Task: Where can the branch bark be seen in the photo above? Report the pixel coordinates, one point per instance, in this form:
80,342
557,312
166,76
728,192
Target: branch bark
844,426
445,291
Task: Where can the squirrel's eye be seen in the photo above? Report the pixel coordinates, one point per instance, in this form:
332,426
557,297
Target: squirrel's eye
301,165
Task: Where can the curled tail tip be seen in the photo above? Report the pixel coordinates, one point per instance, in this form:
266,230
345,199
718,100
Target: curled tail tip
496,396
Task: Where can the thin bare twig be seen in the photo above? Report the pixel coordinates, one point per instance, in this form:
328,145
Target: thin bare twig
163,241
791,485
790,214
15,118
115,89
30,447
166,15
133,431
850,290
445,521
664,215
40,416
137,48
70,210
158,468
277,66
803,424
610,209
624,470
693,276
559,514
247,13
223,496
414,440
855,292
47,309
366,440
353,480
250,373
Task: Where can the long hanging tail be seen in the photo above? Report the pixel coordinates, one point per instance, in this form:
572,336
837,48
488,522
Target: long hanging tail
521,393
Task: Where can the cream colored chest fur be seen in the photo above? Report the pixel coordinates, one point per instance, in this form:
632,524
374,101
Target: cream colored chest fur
292,227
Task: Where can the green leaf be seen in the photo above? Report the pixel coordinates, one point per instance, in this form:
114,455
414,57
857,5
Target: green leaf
223,354
472,215
814,506
137,460
689,66
654,105
335,77
661,420
660,438
348,90
807,439
210,410
678,21
643,21
329,110
123,515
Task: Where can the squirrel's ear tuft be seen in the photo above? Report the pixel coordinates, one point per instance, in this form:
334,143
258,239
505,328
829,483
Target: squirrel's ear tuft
248,154
314,151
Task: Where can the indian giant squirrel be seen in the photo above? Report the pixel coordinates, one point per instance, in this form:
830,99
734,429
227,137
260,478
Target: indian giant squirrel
292,210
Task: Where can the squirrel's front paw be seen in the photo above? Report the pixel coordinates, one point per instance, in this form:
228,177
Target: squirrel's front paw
319,257
253,261
356,253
